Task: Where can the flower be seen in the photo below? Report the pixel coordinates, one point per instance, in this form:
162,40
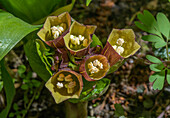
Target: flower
78,39
55,27
65,84
94,67
120,44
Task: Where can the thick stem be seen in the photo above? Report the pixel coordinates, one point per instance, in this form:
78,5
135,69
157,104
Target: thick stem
76,110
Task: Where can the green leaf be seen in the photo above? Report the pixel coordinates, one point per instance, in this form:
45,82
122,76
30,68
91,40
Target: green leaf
148,19
160,44
148,23
93,90
141,26
119,110
15,107
25,87
1,82
156,67
96,41
43,52
36,83
159,82
116,66
153,59
32,10
24,111
18,116
11,115
12,31
88,2
9,89
21,70
151,38
163,24
34,59
158,79
1,85
153,77
73,66
66,8
168,76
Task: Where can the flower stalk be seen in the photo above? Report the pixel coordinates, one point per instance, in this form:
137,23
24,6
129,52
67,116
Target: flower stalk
76,110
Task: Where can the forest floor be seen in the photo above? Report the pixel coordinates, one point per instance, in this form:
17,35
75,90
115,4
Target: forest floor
130,86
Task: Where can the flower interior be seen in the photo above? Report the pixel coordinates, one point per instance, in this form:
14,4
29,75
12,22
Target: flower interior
58,30
96,66
123,42
119,46
65,83
78,42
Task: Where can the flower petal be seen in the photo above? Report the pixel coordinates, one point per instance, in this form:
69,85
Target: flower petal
112,56
46,35
84,70
121,43
61,94
77,29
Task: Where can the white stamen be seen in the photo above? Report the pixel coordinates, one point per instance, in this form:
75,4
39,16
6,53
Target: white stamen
94,70
95,66
97,63
59,85
77,41
57,31
54,28
120,41
81,38
114,47
61,29
120,50
73,41
100,66
56,34
71,37
90,65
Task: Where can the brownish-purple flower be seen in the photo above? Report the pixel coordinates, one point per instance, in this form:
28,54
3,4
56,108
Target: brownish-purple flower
55,27
78,39
121,43
94,67
65,84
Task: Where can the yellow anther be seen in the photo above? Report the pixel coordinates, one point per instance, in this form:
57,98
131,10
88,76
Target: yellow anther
85,42
60,77
68,78
90,65
72,84
63,25
69,90
120,41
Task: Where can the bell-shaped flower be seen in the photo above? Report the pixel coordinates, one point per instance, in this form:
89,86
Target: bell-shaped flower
120,44
78,39
55,27
94,67
65,84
